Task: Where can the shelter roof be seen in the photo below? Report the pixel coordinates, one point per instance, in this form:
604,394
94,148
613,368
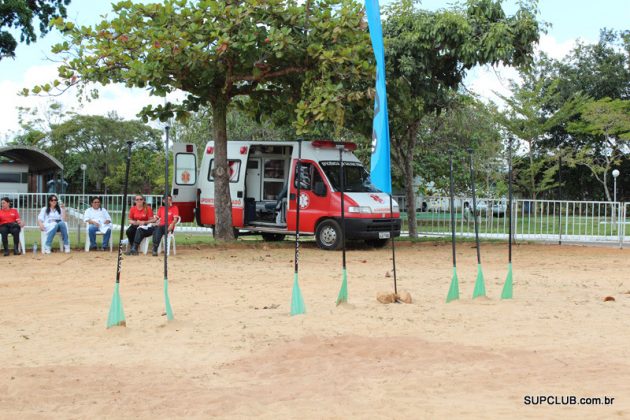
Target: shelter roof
37,160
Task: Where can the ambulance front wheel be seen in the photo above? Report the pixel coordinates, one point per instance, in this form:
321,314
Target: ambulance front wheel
328,235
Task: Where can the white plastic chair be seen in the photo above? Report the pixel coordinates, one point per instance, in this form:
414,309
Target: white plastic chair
87,238
22,244
43,236
170,240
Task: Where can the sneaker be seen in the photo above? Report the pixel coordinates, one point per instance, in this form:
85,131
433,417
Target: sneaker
16,251
46,250
6,252
66,249
154,253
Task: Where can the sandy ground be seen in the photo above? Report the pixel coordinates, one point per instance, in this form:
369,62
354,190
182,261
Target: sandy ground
233,351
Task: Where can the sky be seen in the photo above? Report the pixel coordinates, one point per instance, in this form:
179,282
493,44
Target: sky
570,20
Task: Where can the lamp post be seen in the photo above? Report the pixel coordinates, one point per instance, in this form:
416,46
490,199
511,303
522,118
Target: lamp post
83,168
615,174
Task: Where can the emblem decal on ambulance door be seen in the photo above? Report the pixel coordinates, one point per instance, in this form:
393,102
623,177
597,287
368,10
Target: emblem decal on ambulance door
304,201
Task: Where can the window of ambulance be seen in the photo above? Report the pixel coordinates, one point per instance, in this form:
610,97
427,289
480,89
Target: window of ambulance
356,178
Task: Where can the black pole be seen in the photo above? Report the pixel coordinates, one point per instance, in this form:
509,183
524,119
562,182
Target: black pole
560,198
509,209
124,211
452,191
166,192
297,209
391,235
343,213
474,198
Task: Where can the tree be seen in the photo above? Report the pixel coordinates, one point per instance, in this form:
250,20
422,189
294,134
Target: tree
609,122
99,142
428,55
20,14
301,58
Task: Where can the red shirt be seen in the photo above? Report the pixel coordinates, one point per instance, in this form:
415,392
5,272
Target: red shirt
138,214
9,216
172,212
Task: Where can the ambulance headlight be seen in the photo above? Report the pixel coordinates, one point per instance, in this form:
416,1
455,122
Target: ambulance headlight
357,209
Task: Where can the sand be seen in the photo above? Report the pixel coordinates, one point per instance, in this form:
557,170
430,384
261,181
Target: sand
233,351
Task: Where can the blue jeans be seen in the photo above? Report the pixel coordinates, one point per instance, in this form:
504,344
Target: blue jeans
60,227
92,230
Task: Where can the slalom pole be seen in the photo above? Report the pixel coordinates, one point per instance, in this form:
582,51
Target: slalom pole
480,287
167,301
297,301
343,292
116,316
391,235
453,291
507,287
560,199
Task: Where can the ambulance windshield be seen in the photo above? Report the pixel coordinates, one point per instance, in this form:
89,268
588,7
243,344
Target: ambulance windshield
356,178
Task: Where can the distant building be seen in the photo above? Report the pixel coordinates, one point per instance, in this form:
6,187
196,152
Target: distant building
27,169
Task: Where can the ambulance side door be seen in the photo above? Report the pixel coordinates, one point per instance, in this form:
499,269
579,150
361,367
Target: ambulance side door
314,197
184,185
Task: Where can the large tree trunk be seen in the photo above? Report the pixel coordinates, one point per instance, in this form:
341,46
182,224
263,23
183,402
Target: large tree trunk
409,176
222,200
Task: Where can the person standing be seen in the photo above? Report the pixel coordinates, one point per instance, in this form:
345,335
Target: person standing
99,220
160,230
51,220
10,223
140,224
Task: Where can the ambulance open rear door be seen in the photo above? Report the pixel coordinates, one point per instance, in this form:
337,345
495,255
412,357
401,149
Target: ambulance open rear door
184,187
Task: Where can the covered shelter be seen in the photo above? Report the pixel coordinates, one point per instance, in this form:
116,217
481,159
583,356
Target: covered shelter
39,165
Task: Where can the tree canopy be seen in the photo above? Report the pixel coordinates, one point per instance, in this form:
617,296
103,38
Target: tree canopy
303,58
21,14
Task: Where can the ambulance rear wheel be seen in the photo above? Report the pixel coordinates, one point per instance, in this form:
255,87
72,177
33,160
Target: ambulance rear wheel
273,237
328,235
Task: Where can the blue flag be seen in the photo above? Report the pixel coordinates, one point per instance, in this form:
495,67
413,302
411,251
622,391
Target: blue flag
381,173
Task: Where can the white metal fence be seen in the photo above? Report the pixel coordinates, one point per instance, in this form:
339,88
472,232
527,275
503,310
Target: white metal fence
533,220
29,206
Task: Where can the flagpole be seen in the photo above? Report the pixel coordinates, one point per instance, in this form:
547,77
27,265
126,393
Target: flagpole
391,235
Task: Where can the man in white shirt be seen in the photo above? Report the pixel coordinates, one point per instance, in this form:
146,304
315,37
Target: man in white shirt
99,220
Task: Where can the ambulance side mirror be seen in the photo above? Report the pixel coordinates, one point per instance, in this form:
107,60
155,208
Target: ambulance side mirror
319,189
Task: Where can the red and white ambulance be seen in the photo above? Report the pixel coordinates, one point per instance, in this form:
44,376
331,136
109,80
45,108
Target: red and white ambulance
263,189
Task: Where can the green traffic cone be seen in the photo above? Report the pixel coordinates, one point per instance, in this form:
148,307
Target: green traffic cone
343,292
297,302
507,287
453,291
116,315
167,301
480,287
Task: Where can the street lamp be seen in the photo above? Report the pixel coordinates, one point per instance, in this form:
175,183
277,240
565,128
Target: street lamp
83,168
615,174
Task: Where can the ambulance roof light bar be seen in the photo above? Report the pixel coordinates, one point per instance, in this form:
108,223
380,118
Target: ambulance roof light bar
329,144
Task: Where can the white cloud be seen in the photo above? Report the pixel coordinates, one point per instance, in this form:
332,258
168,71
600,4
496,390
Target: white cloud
124,101
484,81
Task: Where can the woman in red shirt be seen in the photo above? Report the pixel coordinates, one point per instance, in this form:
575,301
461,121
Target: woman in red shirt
160,230
10,223
140,224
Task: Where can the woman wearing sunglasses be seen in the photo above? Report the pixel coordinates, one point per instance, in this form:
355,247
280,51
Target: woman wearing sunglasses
51,220
140,223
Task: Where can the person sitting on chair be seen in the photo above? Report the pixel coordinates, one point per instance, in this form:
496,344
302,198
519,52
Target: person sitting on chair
159,231
51,220
99,220
10,223
140,224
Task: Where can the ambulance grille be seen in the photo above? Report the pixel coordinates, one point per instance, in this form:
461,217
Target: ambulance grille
383,225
